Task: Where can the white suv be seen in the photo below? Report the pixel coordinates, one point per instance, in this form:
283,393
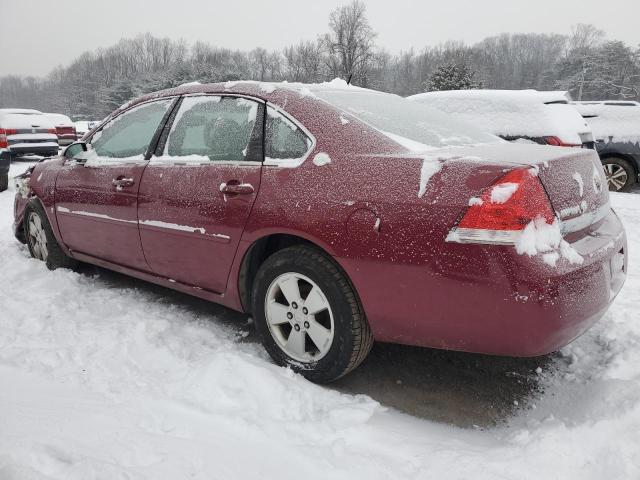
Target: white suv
516,115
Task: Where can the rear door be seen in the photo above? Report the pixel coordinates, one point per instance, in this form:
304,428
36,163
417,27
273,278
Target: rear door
96,190
197,192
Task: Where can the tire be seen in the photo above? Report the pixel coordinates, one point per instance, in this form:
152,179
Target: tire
40,239
4,181
324,354
620,174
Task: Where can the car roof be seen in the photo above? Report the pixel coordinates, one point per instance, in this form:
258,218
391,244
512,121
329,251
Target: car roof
19,111
268,91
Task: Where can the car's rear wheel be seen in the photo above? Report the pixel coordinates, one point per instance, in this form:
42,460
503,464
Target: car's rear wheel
4,181
620,174
40,239
308,315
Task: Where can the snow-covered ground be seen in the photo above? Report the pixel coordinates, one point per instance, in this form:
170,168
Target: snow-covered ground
107,379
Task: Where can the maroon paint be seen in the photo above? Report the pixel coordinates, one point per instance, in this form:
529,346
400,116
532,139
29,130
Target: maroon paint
415,287
191,196
96,217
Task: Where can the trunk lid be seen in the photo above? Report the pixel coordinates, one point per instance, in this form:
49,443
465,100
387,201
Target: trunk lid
572,177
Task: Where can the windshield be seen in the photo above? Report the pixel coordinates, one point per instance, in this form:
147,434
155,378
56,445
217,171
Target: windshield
402,120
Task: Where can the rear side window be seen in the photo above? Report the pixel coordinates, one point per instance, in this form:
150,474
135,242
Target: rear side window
284,139
212,128
129,134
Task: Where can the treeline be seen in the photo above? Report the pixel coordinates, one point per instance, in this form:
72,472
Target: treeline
583,62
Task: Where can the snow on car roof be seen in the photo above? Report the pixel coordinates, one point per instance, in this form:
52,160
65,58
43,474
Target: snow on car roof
510,113
25,120
413,126
612,121
19,111
554,96
59,118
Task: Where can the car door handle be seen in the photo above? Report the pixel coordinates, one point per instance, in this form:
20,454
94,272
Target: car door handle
120,183
236,188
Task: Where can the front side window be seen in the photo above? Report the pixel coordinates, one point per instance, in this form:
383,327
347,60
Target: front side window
128,135
212,128
284,139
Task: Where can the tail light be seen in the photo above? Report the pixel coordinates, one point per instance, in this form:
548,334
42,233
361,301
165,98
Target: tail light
504,209
11,131
4,143
557,142
52,130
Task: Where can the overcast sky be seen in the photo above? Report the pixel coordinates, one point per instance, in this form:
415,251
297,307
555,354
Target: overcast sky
37,35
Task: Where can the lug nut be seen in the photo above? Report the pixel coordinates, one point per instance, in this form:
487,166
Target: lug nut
294,305
304,310
296,327
289,315
306,324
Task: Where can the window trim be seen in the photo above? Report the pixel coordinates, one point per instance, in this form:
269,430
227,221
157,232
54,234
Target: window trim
283,163
154,139
158,151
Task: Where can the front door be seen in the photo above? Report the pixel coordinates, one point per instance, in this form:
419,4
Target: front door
96,191
196,194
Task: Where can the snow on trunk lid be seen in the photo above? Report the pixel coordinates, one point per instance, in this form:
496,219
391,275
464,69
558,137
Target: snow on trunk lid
577,188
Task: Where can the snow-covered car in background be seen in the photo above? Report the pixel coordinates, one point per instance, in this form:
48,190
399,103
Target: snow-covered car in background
24,132
516,115
65,129
336,216
85,126
616,129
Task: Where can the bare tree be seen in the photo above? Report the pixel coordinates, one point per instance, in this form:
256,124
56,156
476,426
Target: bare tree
350,43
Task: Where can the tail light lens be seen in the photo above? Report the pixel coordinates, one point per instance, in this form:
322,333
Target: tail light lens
504,210
3,138
555,141
52,130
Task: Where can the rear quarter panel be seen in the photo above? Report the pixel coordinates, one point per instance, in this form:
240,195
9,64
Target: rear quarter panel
367,210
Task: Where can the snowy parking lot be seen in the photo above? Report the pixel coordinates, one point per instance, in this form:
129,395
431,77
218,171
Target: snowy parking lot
107,377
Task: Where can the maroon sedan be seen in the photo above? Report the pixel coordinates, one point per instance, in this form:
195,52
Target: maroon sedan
336,216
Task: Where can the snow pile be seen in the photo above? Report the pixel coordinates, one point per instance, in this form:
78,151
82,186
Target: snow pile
612,122
106,377
503,192
540,237
321,159
578,178
509,113
430,167
410,124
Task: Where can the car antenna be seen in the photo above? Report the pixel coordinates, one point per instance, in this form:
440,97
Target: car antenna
349,79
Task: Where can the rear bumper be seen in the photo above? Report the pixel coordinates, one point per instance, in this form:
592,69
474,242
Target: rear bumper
499,302
34,149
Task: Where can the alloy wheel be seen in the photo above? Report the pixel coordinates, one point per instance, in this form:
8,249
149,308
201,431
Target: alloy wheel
299,317
37,237
616,176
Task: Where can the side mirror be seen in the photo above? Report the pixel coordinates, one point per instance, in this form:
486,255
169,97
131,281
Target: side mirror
74,150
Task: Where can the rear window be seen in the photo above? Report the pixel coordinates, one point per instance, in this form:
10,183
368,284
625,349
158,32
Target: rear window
403,120
284,140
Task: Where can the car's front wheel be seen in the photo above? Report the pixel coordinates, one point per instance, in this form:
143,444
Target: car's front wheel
308,315
40,239
620,174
